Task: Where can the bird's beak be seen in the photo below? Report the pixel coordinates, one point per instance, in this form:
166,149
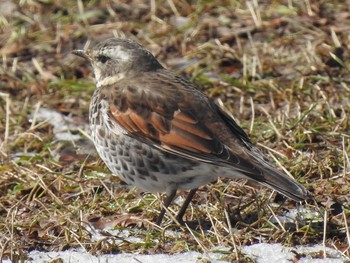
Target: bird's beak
82,53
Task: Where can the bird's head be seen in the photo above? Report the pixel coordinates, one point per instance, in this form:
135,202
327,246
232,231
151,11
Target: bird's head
116,58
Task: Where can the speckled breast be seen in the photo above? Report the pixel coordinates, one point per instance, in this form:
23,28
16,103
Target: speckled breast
140,164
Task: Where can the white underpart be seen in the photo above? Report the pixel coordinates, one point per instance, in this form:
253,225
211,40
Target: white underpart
97,73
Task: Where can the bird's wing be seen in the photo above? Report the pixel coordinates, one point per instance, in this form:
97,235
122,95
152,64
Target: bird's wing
169,113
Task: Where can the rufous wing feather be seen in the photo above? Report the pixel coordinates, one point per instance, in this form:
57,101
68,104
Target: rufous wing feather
179,131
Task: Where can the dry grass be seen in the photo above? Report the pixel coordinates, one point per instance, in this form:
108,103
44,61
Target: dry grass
281,69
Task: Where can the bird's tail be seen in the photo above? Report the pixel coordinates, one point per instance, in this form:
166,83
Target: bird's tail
256,168
277,180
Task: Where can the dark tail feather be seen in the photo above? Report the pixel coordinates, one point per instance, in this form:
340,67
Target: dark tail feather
253,165
286,186
280,182
260,170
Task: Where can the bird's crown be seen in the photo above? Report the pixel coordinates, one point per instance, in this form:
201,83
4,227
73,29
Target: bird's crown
118,57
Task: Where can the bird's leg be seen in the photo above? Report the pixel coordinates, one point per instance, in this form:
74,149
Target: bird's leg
166,203
184,206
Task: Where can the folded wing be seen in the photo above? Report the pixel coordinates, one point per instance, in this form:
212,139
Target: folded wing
172,115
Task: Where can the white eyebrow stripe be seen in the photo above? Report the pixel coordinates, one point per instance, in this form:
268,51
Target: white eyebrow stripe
117,53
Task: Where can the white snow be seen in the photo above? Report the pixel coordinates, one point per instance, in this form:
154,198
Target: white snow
77,256
299,214
261,253
63,126
270,253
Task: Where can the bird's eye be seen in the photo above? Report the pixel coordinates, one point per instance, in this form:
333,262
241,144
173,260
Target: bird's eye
103,59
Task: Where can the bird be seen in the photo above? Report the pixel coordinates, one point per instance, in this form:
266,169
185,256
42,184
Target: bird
160,133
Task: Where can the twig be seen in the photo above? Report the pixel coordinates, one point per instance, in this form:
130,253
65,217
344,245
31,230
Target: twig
324,234
6,97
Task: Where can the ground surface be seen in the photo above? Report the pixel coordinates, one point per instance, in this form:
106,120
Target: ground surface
280,67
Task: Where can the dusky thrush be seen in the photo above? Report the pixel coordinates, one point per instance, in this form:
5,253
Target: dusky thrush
159,132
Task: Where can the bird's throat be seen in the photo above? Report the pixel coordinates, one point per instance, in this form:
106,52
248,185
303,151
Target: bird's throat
110,80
